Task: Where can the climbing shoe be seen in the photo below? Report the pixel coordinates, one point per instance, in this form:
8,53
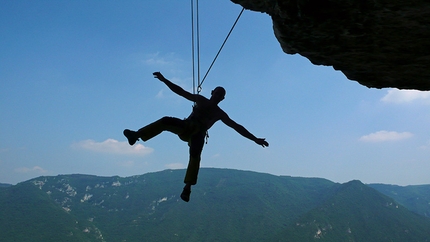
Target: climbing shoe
131,136
185,195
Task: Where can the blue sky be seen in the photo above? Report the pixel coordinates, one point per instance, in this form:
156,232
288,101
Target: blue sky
74,74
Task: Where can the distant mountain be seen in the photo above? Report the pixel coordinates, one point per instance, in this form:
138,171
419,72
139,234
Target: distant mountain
226,205
415,198
357,212
5,185
29,214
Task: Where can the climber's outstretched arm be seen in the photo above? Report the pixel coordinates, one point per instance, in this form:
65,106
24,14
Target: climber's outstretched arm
175,88
242,130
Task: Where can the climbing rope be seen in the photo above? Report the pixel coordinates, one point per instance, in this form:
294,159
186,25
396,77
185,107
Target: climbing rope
195,37
196,46
219,51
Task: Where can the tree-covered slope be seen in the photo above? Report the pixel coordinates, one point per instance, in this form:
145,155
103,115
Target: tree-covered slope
5,185
28,214
357,212
415,198
226,205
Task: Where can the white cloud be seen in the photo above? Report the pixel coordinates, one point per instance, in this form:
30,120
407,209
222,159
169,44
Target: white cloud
157,59
175,166
405,96
160,94
383,135
425,146
216,156
35,169
112,146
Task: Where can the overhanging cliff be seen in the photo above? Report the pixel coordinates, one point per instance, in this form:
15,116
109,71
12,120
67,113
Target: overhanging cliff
378,43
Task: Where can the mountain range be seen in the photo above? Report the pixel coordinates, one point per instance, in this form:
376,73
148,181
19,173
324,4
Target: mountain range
226,205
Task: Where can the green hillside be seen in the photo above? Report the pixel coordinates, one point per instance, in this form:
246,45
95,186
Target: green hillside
357,212
226,205
5,185
28,214
415,198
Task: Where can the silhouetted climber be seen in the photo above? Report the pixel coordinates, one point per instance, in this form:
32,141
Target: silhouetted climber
192,129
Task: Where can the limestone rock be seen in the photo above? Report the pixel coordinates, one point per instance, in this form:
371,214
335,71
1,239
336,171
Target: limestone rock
379,43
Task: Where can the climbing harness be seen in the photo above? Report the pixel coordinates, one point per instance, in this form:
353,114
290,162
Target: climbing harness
195,49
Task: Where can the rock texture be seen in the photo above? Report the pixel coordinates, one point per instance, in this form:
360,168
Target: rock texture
379,43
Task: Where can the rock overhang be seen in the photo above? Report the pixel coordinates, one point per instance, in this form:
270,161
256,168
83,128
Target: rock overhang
378,43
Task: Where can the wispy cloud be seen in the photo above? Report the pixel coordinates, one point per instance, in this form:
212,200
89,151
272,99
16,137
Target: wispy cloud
157,59
35,169
405,96
382,136
160,94
426,146
112,146
216,156
175,166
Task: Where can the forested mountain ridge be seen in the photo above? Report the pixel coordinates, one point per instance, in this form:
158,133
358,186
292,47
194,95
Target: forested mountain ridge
5,185
359,213
226,205
416,198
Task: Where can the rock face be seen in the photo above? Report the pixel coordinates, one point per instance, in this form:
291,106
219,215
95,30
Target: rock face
378,43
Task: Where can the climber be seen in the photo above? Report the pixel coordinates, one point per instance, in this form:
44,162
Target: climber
192,129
